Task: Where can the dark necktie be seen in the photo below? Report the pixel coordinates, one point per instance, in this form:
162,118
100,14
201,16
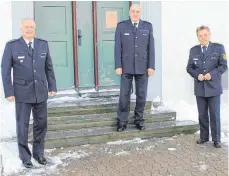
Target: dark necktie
30,48
135,27
204,50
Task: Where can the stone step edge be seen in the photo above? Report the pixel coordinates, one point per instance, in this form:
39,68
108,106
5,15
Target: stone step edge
95,106
97,131
149,133
111,115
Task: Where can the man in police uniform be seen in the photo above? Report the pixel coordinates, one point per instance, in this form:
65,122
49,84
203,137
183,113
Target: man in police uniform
32,69
207,62
134,58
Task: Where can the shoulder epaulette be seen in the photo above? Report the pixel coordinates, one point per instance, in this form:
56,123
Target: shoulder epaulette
195,46
122,22
41,39
216,43
146,22
13,40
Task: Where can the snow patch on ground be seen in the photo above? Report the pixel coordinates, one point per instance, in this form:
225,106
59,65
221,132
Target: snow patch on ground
66,92
122,153
172,149
134,141
64,99
149,148
72,155
12,163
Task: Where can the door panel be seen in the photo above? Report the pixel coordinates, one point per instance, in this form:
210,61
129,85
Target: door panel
54,24
108,15
85,46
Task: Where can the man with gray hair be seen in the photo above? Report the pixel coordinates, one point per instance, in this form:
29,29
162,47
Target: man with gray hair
134,59
207,62
32,69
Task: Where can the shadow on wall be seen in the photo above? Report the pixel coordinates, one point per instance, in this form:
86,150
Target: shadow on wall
225,80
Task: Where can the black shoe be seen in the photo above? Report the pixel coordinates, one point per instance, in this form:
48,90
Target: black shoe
121,126
41,160
27,164
201,141
217,144
140,126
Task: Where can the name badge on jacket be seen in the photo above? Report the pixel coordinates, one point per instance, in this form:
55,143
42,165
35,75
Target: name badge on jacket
43,55
21,57
195,60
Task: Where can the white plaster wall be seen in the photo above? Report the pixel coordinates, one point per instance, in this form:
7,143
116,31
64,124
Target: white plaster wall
7,112
151,12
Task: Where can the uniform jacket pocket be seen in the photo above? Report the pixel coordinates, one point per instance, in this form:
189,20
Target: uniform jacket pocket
19,81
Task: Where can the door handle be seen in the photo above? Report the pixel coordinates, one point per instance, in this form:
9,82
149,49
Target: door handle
79,37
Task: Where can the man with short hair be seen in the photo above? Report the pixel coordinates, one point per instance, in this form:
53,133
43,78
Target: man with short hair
32,69
134,58
207,62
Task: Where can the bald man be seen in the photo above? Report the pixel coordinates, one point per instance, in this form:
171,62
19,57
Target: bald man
32,70
134,58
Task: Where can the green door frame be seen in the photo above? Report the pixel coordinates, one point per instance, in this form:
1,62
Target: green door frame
75,45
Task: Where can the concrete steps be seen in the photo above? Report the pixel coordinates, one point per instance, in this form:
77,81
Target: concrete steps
89,108
78,121
97,135
103,120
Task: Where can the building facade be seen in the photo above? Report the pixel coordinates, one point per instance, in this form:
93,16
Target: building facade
81,40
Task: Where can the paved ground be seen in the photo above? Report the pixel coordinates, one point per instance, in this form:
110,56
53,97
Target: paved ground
177,156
